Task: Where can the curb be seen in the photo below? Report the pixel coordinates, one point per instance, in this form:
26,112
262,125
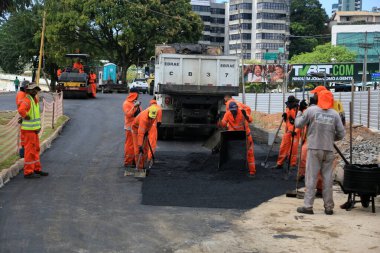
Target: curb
7,174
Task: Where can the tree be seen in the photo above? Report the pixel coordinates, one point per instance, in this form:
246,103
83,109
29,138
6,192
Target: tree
124,32
18,44
307,18
326,53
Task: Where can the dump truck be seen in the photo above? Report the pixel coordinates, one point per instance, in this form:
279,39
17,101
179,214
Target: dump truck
73,83
190,88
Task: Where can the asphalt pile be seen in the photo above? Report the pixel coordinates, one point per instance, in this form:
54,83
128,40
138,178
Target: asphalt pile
193,180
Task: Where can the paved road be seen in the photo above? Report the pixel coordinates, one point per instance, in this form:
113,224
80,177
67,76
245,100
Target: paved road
87,205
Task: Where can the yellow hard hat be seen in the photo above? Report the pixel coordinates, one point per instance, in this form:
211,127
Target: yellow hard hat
153,112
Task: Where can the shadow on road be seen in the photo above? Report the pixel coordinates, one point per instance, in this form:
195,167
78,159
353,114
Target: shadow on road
192,180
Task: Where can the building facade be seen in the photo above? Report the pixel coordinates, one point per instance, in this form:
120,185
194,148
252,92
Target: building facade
347,5
213,17
356,38
258,26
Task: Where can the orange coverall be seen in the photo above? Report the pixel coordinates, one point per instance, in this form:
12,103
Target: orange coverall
286,141
153,133
19,97
78,66
31,141
92,81
129,110
241,124
59,72
141,127
240,105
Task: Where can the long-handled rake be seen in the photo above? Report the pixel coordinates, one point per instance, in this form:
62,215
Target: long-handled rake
264,164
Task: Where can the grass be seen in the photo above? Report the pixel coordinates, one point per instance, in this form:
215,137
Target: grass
6,116
46,134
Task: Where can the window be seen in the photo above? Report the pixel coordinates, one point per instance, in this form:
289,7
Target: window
200,8
269,36
268,15
259,56
217,29
205,38
217,11
247,56
270,46
205,18
272,6
206,28
245,26
241,16
238,46
272,26
244,6
217,20
246,36
217,39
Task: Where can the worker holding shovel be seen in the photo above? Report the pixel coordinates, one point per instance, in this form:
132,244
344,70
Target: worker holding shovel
140,131
291,135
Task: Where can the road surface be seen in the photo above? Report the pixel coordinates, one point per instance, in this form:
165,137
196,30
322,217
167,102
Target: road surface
87,205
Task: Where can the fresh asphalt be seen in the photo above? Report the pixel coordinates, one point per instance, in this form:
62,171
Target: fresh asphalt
87,205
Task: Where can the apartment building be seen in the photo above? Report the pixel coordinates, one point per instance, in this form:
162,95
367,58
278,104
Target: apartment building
347,5
213,17
257,27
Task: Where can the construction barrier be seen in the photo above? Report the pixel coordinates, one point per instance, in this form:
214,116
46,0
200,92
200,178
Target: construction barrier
366,104
52,109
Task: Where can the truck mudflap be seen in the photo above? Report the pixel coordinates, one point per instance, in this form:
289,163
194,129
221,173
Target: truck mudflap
197,90
233,150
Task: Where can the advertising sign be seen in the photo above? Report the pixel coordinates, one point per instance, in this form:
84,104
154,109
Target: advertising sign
337,72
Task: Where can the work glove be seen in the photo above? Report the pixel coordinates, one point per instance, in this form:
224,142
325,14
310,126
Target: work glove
291,120
244,114
146,134
303,105
137,103
19,120
158,124
27,117
294,133
141,150
284,116
137,112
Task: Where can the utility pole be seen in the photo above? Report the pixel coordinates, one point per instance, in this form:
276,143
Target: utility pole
365,45
41,49
242,55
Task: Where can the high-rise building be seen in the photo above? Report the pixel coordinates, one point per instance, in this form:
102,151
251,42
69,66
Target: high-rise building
347,5
213,17
258,26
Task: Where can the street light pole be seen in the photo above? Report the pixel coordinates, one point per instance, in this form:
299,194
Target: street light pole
242,56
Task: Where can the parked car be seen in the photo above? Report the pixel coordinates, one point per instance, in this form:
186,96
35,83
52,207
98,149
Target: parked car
140,85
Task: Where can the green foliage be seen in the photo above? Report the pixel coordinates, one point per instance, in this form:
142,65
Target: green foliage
18,43
119,31
307,17
324,54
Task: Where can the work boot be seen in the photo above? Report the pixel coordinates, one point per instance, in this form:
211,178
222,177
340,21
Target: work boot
32,176
277,167
41,173
251,175
329,212
305,210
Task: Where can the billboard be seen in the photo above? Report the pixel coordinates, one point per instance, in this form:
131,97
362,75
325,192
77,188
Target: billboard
259,73
337,72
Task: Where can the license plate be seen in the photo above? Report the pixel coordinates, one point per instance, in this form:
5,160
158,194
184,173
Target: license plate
71,84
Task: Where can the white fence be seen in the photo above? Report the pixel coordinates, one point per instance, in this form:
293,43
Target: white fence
366,106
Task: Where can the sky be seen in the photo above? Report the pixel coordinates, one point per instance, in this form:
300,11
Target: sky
367,4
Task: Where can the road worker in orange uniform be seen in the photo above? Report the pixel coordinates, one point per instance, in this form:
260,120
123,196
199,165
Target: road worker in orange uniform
59,72
302,169
236,119
290,133
19,98
141,127
29,110
78,65
228,99
131,108
92,81
153,133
